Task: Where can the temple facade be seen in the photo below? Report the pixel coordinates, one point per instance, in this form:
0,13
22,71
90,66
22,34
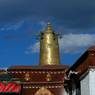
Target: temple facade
47,78
81,75
50,77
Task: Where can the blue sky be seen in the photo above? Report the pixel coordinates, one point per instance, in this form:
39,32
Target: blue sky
22,20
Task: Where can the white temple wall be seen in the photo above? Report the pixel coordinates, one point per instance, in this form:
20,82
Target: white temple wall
65,92
92,81
88,83
84,84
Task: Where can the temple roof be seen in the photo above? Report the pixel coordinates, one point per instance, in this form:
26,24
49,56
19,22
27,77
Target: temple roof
92,48
86,61
46,67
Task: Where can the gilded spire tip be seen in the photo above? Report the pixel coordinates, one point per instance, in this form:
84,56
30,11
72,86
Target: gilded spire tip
49,26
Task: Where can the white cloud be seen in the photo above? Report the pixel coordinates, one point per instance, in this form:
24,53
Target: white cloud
73,43
3,68
70,43
33,48
43,23
12,26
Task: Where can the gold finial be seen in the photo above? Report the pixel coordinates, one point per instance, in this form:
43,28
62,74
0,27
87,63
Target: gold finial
49,27
49,47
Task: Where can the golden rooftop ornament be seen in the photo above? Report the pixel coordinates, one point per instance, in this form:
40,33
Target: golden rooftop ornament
49,47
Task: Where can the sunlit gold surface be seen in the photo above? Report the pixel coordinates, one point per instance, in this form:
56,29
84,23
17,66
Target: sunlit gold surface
27,77
49,48
43,91
48,77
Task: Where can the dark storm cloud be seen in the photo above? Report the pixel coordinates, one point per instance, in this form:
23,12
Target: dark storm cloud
73,14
